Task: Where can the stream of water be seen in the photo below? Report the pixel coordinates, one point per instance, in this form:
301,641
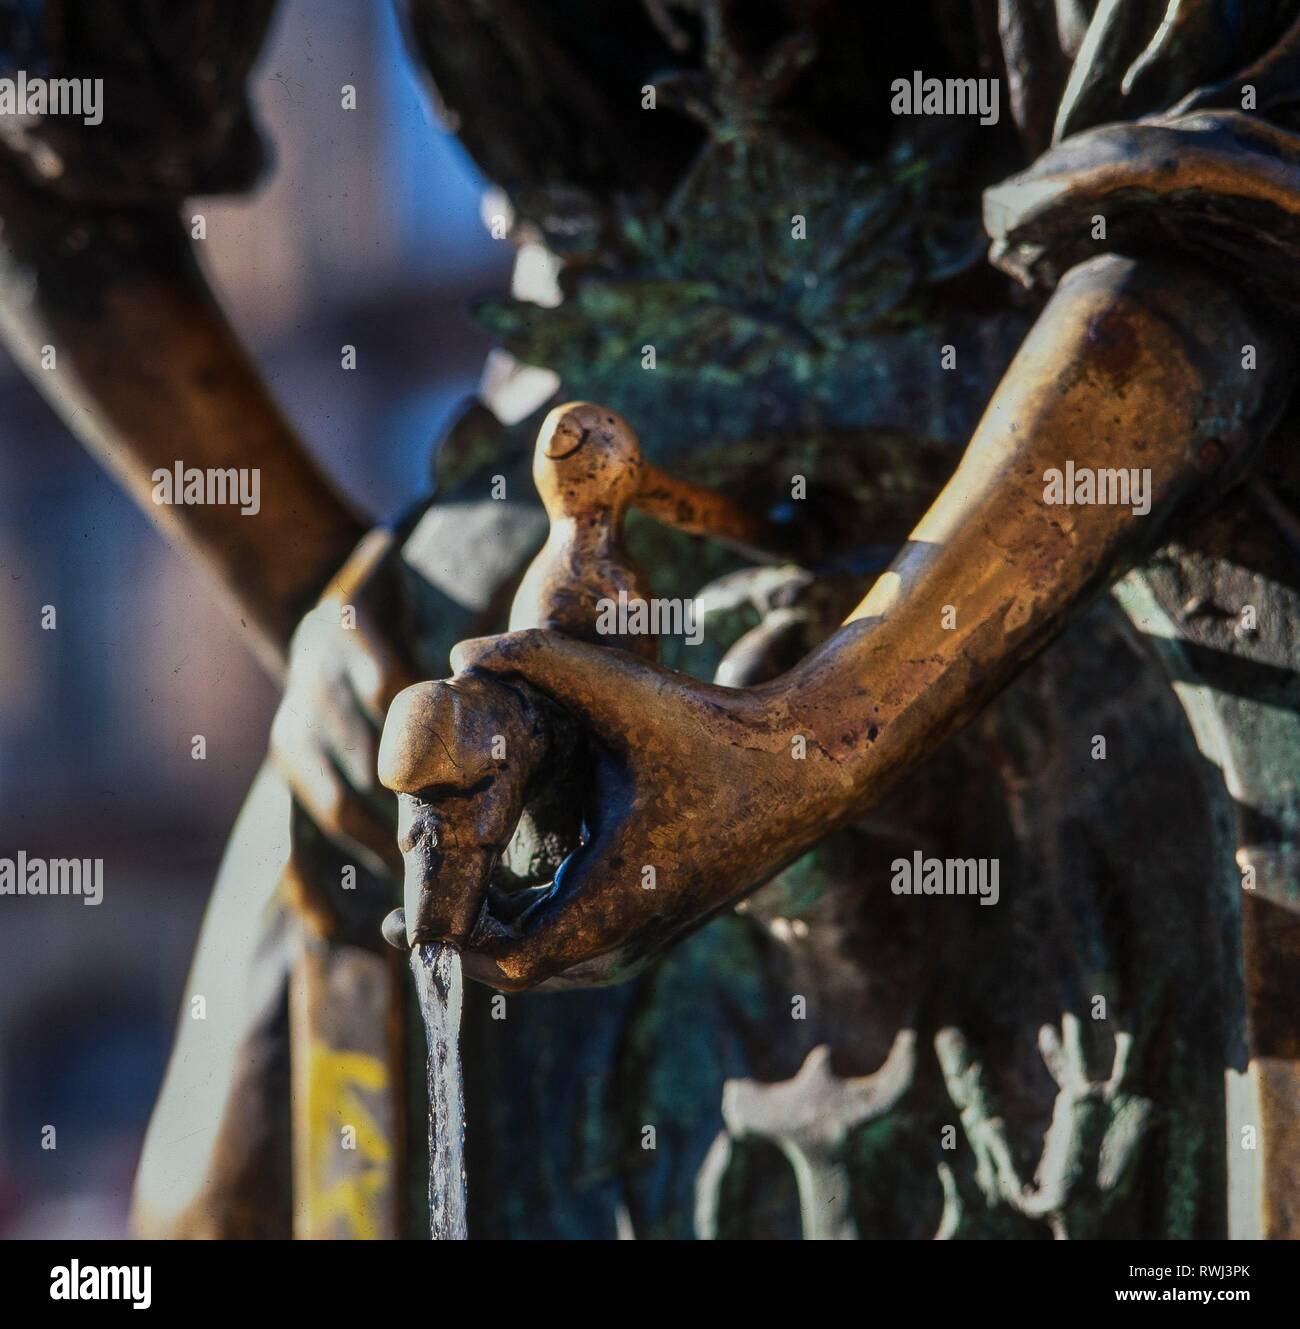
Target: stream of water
438,983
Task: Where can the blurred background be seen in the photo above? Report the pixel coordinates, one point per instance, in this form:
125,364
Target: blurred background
368,234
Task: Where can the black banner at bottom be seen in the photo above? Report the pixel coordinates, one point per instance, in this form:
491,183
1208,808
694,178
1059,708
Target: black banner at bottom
180,1279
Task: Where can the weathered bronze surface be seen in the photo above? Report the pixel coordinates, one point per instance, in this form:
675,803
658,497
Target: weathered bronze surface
1114,370
464,754
1087,1058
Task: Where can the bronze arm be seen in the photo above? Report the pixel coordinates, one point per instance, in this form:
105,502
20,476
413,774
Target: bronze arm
147,372
1129,367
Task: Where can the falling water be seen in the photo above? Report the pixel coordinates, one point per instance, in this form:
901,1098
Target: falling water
438,983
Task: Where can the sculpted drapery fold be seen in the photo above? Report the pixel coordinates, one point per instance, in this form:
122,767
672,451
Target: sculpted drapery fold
1176,129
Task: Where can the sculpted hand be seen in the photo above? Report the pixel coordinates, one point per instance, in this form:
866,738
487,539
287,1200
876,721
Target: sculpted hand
343,673
675,797
697,794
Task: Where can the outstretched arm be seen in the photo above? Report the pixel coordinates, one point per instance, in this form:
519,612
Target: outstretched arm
147,372
1130,368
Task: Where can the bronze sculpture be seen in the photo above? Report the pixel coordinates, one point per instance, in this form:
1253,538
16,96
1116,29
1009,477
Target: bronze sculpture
783,358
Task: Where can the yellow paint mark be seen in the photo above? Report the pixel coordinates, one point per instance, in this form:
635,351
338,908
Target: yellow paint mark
333,1080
